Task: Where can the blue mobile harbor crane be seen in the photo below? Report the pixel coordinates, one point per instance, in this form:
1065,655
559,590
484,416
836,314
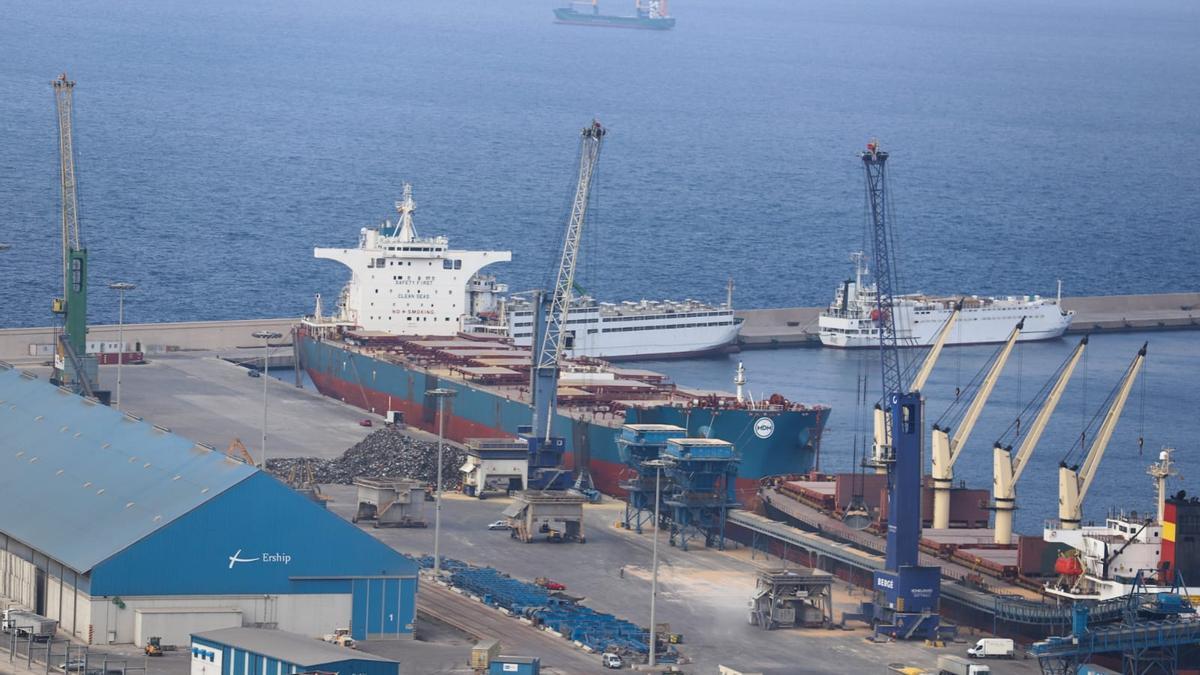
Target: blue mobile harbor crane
552,338
905,603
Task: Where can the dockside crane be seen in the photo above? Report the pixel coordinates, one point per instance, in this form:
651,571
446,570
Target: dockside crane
905,603
73,368
1074,482
946,450
1007,469
552,337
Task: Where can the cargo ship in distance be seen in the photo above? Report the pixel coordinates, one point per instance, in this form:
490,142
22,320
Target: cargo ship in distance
649,14
415,295
850,322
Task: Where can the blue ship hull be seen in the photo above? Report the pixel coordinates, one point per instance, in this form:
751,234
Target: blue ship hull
787,444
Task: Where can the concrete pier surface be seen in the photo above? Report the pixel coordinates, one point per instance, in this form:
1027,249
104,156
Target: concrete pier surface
797,326
762,328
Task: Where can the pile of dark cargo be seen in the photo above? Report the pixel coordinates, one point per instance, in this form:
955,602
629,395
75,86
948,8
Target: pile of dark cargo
386,452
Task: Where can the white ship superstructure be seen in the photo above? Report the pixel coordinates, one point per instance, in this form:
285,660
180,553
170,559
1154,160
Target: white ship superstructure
404,284
632,330
1111,557
851,320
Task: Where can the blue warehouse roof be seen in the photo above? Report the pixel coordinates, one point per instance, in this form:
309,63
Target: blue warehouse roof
87,481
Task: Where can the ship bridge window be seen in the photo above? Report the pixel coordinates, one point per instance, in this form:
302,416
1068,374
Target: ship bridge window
449,264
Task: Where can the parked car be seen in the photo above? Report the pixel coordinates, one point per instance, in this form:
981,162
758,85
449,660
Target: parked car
72,666
611,660
364,422
253,373
498,525
549,584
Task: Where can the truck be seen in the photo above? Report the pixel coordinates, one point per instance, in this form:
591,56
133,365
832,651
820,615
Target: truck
25,623
340,637
992,648
957,665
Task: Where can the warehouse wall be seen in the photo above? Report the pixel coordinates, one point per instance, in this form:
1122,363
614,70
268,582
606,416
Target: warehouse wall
306,614
174,626
17,573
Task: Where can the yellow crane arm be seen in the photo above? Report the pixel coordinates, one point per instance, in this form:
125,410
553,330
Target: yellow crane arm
1087,471
935,351
1043,417
981,397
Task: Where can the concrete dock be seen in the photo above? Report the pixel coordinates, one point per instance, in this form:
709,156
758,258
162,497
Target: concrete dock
761,328
797,326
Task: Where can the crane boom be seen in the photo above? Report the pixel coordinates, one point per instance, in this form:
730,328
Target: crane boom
554,340
946,450
875,165
1007,470
1073,484
967,425
935,350
64,103
1043,417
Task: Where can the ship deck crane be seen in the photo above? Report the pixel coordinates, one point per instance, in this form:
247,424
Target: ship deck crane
946,450
1074,482
905,603
880,447
73,368
552,337
1007,469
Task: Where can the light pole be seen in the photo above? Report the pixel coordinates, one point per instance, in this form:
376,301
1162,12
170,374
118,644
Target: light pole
657,464
266,336
120,287
441,394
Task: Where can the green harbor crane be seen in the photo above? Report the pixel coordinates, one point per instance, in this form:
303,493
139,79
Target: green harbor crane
73,368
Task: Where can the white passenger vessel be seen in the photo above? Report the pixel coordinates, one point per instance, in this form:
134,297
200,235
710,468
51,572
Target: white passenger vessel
851,321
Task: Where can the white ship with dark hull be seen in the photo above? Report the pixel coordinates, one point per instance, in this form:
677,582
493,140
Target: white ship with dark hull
403,284
850,322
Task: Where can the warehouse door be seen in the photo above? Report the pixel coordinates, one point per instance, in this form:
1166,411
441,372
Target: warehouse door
39,592
375,613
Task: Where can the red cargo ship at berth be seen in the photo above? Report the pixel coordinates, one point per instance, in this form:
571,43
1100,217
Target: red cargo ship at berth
403,327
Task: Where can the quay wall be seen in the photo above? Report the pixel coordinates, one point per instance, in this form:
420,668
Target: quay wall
761,328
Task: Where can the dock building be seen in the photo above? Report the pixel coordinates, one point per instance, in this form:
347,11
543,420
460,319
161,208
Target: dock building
122,530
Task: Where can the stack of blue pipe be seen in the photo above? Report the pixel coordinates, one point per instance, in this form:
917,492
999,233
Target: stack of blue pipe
597,630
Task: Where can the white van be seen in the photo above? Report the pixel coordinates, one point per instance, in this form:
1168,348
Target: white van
992,648
611,660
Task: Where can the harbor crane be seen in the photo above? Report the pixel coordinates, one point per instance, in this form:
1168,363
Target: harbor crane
905,603
1007,469
947,450
1074,482
73,368
552,337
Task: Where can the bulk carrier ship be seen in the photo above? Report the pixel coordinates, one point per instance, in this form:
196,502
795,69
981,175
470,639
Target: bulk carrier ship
403,326
650,15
